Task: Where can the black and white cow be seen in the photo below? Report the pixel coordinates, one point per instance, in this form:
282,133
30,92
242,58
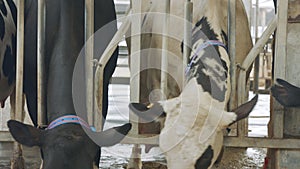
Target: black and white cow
67,143
152,32
192,136
286,94
7,49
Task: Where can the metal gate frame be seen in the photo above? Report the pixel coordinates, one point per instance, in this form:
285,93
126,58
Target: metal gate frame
240,141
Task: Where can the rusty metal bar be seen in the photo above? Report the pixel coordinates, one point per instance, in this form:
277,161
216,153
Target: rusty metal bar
41,95
89,50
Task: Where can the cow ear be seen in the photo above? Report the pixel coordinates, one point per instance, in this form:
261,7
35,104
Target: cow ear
25,134
111,136
286,94
245,109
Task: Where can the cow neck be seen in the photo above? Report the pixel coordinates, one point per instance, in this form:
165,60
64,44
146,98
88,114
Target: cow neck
69,119
215,15
63,53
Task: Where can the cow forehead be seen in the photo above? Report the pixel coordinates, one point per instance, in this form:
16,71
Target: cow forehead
66,135
68,140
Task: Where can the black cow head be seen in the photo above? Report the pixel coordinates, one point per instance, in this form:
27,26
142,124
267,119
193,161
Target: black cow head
67,146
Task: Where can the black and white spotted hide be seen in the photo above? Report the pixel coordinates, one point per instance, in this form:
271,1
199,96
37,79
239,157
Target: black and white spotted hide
192,136
8,13
199,112
211,66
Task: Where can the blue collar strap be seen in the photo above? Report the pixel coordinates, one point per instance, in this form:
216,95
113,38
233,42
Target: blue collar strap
67,120
201,47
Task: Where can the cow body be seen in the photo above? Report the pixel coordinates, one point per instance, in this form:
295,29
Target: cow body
67,145
199,112
60,41
7,49
152,39
192,136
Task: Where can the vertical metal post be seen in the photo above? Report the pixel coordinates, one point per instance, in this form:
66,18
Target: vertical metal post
17,160
280,63
234,100
188,20
165,43
250,16
232,42
93,119
135,54
257,61
280,66
41,63
20,60
136,22
248,6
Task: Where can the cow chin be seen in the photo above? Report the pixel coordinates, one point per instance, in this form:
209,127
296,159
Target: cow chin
57,149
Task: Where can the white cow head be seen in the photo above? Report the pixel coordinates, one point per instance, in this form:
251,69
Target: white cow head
192,136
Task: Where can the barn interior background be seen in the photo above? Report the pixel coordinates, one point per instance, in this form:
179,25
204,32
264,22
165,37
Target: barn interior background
260,14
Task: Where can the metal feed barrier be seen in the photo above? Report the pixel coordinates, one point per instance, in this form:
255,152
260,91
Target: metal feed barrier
94,102
241,140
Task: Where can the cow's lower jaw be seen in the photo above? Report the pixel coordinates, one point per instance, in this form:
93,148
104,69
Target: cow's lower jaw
188,152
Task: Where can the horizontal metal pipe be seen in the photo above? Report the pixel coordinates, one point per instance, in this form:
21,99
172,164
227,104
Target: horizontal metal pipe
232,142
262,143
